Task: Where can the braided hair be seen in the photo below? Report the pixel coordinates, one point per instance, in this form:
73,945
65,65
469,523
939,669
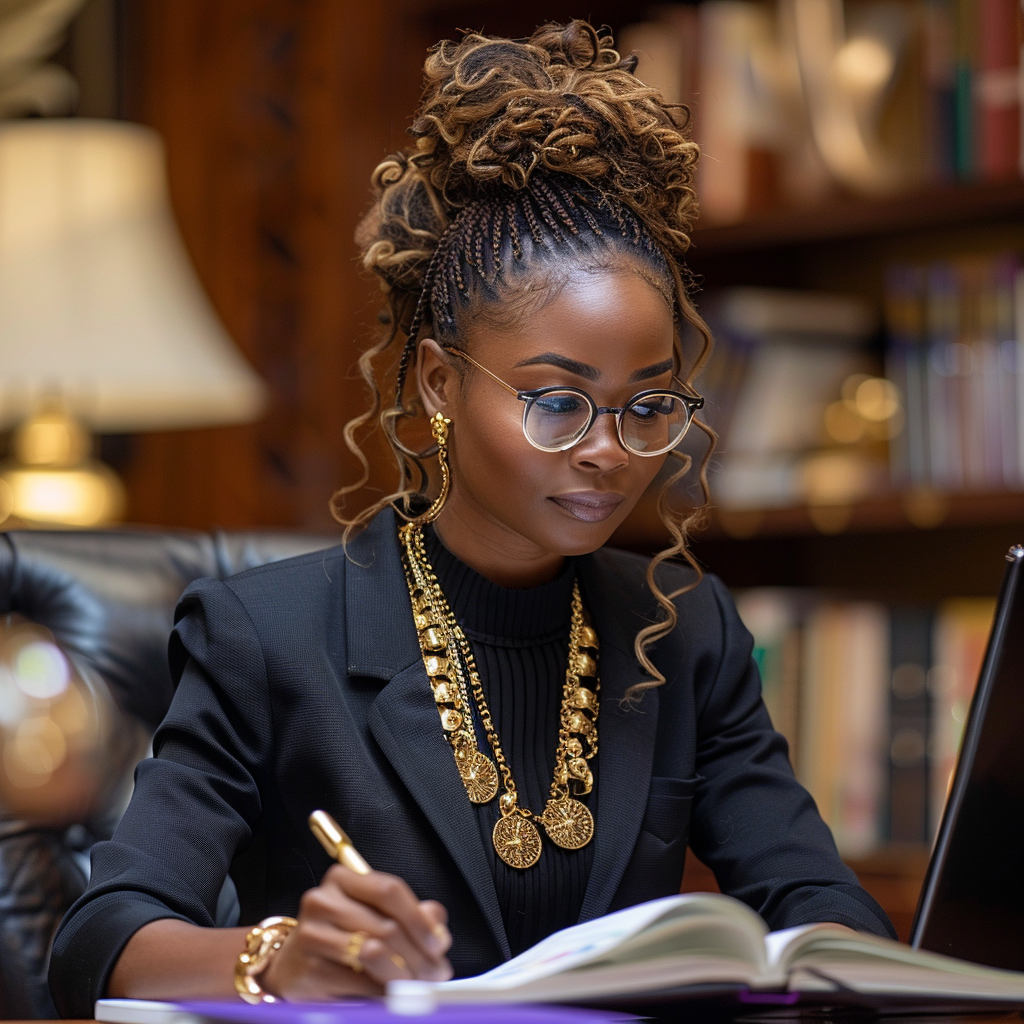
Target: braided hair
531,157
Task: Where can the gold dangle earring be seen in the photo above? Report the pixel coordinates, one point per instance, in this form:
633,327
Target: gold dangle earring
439,428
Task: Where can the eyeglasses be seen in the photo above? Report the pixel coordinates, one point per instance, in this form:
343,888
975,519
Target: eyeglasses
556,418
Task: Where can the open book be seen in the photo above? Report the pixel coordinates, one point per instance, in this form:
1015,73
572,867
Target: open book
700,944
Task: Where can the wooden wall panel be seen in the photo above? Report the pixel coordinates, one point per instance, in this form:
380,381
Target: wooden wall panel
274,113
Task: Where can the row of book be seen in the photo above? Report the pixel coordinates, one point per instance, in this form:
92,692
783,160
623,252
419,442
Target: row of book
872,700
955,331
795,100
774,386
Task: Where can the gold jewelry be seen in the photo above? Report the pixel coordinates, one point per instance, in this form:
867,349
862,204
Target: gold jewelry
439,428
354,946
451,667
261,944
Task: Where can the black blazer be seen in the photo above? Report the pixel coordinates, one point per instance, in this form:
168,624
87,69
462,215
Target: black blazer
301,686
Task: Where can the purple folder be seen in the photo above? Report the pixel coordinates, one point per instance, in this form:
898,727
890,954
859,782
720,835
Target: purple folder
376,1013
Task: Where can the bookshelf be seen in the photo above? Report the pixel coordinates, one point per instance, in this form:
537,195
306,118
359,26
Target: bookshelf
920,546
872,549
916,547
936,207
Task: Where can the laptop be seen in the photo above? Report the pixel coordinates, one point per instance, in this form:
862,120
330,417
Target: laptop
972,901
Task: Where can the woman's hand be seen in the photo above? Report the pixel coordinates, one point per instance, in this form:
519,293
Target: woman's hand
404,938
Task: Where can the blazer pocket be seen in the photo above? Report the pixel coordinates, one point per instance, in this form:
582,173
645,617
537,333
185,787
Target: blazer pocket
668,807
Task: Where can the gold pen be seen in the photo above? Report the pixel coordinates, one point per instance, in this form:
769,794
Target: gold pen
338,845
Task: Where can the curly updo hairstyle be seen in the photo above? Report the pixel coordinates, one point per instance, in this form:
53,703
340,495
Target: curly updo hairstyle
529,156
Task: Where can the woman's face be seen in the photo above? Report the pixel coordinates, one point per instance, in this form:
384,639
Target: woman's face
609,333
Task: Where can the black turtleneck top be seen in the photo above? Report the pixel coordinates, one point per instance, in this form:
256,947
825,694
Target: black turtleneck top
520,640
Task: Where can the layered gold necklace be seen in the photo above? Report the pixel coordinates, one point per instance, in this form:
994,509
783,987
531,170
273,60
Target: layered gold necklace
455,681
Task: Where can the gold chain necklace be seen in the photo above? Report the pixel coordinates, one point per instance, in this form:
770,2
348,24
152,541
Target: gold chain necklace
455,681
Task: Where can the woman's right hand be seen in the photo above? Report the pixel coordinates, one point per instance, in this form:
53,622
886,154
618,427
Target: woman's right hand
404,938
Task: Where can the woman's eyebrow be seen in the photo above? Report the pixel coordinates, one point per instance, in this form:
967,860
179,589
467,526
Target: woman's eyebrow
588,372
584,370
654,370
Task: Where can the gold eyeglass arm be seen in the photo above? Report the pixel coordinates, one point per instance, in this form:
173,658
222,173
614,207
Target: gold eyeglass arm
494,377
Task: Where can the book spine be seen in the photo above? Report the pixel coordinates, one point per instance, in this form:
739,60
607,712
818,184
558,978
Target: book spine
942,402
907,811
843,718
939,87
961,632
996,89
901,462
1007,369
772,616
1018,344
821,730
722,114
1020,88
980,455
864,640
963,90
906,367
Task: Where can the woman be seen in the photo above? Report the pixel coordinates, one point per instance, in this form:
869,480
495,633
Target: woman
518,729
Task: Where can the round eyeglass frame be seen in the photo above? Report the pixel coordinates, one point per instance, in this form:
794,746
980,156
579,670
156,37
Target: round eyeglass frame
691,403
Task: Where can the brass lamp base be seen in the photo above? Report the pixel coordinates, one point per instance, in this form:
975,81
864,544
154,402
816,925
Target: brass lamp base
52,482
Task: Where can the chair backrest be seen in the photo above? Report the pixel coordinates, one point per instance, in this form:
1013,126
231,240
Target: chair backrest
108,597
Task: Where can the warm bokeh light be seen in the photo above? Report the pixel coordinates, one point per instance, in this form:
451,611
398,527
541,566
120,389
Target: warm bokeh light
41,671
87,496
54,729
877,399
864,64
869,409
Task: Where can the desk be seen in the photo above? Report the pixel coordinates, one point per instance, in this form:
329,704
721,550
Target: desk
682,1013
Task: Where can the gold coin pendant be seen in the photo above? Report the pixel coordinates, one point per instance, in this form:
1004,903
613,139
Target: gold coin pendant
479,776
517,841
568,823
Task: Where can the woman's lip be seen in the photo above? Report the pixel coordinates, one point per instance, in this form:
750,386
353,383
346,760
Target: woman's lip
590,506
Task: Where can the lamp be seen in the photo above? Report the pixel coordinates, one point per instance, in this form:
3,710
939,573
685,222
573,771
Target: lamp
103,324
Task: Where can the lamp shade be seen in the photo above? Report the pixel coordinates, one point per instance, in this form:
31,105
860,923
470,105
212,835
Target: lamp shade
99,304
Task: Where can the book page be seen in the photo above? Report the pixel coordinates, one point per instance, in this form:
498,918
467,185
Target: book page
656,927
871,963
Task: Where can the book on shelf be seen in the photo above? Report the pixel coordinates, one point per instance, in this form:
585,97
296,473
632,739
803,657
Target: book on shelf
961,634
907,815
843,719
774,618
874,97
781,357
997,88
871,699
697,945
955,354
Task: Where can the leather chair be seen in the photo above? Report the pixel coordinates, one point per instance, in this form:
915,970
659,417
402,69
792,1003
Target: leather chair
108,598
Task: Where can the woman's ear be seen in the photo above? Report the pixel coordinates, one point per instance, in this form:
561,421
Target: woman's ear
435,378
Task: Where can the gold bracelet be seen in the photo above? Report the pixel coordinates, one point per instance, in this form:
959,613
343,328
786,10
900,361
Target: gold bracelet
261,944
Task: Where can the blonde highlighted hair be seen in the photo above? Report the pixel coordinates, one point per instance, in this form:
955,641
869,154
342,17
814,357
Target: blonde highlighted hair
527,153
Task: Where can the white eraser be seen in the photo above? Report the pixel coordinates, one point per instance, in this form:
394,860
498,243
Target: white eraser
411,998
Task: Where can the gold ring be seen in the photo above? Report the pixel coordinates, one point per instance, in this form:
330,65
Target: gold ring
350,958
399,961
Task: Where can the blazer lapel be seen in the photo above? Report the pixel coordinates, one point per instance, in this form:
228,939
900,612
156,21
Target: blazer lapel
625,753
404,722
403,719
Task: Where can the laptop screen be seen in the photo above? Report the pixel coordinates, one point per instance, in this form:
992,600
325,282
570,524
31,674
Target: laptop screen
972,903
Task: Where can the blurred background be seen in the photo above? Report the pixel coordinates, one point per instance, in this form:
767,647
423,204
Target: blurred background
181,308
